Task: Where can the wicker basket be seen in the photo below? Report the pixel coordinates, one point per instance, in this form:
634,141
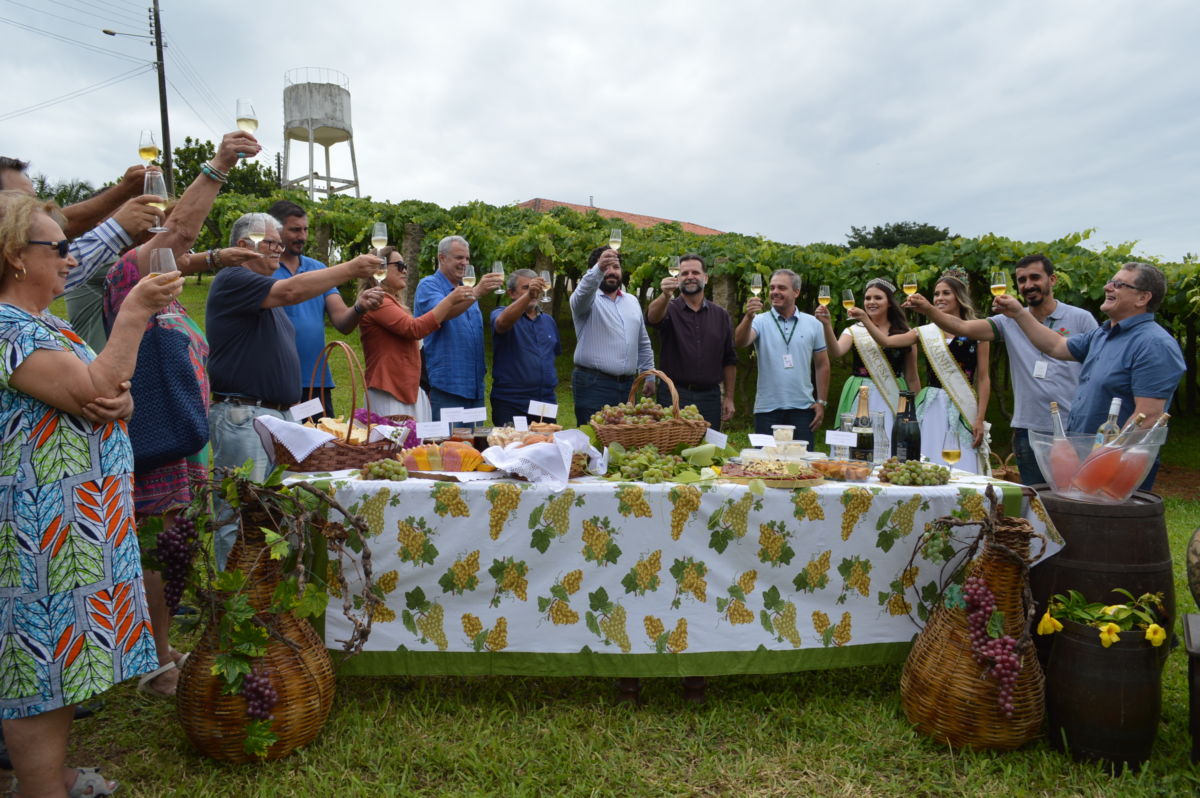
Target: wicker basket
1005,469
336,454
299,666
943,690
665,434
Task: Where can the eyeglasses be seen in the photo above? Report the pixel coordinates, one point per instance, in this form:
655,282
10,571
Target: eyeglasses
400,265
275,246
1122,284
62,246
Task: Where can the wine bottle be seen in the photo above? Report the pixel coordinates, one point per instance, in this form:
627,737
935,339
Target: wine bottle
1101,466
1110,428
906,432
1135,463
1064,460
864,429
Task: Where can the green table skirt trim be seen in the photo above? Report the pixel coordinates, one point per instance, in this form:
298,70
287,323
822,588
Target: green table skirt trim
596,663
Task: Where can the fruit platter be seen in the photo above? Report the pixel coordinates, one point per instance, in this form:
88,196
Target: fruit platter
773,473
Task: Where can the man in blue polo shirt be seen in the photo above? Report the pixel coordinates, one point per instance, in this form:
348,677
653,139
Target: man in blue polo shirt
454,352
791,348
524,345
308,317
1129,356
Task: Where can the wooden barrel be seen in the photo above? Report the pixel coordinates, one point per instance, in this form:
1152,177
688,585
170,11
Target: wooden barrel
1103,704
1107,546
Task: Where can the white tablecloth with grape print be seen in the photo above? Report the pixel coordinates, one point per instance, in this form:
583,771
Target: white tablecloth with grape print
629,579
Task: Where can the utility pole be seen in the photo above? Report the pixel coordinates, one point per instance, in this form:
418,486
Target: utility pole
156,24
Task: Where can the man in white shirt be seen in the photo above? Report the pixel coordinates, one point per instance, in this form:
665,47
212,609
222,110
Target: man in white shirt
611,346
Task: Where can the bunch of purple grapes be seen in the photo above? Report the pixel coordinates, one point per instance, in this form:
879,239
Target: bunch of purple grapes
997,652
259,694
175,550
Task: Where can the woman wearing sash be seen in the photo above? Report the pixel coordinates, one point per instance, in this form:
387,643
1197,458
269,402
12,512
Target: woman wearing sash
882,344
950,407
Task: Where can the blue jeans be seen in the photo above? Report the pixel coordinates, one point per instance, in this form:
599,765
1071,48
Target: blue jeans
800,419
439,399
593,392
1026,462
503,410
707,402
234,441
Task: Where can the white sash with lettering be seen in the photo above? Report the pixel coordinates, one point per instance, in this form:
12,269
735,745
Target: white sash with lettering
871,354
954,381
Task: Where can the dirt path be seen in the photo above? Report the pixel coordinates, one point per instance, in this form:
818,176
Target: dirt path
1177,482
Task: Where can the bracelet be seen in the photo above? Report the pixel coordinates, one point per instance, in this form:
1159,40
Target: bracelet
211,172
359,310
213,259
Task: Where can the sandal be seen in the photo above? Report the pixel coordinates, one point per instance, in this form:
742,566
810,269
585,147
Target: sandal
146,683
89,784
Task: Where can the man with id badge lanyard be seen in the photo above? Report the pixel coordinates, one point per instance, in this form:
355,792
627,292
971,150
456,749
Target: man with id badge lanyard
1037,379
790,345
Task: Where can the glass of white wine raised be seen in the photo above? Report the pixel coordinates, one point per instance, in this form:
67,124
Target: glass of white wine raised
247,119
156,185
545,275
999,283
823,296
756,284
257,230
498,268
614,239
469,276
848,299
910,284
673,269
147,147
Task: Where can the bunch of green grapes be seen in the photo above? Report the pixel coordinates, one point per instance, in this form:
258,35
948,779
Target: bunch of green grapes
497,638
694,582
902,516
646,571
382,613
412,541
613,628
785,624
387,582
504,496
908,577
646,464
654,627
816,569
471,625
820,622
370,510
771,543
973,504
595,541
913,472
572,581
514,581
464,571
644,411
430,625
859,578
841,632
634,497
685,500
897,605
677,641
448,500
737,513
807,505
856,501
561,613
737,613
558,512
746,581
388,468
690,413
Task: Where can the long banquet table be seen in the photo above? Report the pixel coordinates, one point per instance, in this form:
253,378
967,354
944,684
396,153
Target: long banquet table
630,579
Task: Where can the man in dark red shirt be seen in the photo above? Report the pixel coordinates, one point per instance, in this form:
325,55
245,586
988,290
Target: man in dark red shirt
696,339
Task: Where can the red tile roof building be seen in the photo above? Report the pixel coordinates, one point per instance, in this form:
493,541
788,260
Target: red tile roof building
636,219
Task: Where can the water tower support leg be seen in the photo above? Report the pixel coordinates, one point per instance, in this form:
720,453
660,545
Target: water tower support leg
354,167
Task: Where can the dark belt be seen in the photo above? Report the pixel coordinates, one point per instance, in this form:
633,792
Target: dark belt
605,374
695,387
250,401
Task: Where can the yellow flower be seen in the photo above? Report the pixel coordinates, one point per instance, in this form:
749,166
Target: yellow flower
1048,625
1156,634
1111,609
1109,634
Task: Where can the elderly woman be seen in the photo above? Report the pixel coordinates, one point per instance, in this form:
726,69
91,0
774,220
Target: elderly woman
885,358
74,599
163,490
391,342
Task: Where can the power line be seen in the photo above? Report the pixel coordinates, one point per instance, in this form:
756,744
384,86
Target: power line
78,92
69,40
126,16
180,60
90,27
194,111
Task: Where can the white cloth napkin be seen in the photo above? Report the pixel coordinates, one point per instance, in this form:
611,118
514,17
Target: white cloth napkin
543,463
301,441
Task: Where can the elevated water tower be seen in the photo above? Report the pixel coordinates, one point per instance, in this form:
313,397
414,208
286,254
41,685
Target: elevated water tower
316,110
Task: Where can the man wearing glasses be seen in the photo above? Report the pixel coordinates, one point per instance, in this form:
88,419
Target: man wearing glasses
253,363
308,317
1128,357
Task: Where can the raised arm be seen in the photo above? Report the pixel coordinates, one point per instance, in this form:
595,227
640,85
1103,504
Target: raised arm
835,347
307,285
83,216
656,311
821,369
983,389
585,292
975,329
1041,336
882,337
514,310
744,334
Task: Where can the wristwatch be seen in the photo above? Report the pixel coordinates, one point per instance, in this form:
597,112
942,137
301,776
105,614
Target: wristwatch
822,402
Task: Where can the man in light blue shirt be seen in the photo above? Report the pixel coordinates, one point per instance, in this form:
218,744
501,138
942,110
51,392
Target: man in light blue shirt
1129,356
611,343
454,352
790,345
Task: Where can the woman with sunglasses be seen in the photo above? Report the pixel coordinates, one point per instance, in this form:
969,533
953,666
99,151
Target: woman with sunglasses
391,342
74,598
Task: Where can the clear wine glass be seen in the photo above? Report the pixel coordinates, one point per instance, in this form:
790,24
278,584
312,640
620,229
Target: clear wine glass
162,260
673,269
545,275
498,268
910,283
614,238
951,448
756,284
469,276
257,230
148,147
847,299
156,185
999,283
823,295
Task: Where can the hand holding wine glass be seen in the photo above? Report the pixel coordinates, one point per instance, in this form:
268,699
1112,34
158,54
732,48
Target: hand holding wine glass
847,299
823,295
469,276
247,120
545,275
673,269
999,283
756,284
910,283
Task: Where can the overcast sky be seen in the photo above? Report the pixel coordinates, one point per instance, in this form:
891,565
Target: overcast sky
794,120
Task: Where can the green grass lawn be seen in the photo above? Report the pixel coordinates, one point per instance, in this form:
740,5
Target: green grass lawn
838,733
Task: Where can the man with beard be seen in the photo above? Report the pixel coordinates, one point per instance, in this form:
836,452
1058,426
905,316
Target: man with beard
1037,380
308,317
1129,357
696,343
611,343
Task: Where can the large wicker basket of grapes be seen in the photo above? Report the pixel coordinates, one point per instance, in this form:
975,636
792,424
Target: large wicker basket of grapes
641,421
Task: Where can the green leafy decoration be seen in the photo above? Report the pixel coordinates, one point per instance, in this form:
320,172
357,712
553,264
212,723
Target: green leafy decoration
259,737
10,562
250,640
230,668
18,673
90,673
78,562
312,602
64,454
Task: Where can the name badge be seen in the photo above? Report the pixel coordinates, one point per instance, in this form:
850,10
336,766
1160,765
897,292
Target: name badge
787,361
1040,368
